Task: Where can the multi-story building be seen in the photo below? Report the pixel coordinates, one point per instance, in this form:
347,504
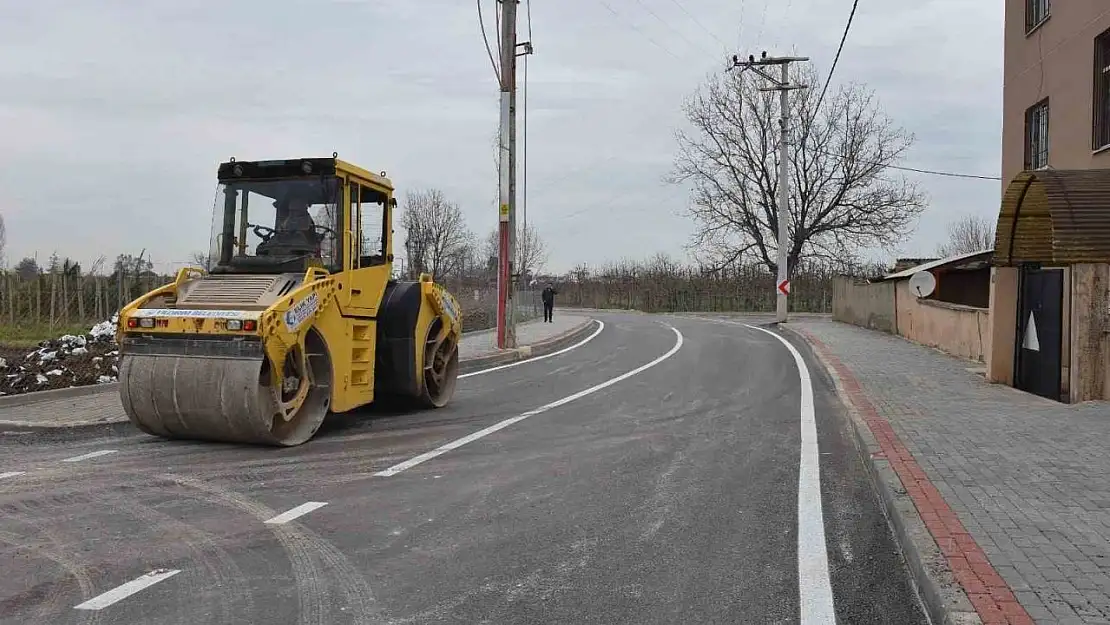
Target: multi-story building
1056,94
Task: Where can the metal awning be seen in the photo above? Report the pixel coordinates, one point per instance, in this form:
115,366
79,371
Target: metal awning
1056,217
968,261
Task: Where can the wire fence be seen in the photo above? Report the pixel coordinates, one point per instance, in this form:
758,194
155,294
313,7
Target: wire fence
742,289
478,300
58,330
61,300
76,312
65,302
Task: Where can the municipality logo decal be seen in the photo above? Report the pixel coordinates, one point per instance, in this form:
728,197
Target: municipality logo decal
296,315
451,312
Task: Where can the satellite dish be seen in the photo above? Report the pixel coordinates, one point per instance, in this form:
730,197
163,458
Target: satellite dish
923,283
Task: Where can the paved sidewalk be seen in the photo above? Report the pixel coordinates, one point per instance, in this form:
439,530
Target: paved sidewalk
1027,477
484,342
104,406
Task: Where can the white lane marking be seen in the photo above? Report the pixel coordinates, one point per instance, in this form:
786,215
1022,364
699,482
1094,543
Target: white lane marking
100,602
94,454
600,327
299,511
814,587
11,474
470,438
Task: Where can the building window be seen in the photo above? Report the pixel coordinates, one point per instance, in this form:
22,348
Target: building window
1036,11
1036,136
1102,91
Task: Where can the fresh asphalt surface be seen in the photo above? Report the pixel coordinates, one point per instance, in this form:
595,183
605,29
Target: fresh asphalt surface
670,496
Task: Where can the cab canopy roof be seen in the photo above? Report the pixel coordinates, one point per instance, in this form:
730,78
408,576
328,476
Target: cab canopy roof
234,170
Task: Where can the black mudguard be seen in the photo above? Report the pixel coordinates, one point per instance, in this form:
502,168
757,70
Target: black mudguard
395,362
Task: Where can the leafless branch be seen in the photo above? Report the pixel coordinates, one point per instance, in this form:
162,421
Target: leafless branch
437,240
968,234
841,198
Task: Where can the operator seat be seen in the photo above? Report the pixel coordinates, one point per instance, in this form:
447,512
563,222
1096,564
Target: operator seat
295,235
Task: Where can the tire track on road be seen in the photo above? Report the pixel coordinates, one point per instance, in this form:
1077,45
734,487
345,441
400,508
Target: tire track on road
303,547
53,605
238,603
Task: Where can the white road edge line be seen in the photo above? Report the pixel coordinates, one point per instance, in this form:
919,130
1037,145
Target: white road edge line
124,591
814,586
94,454
600,324
455,444
11,474
299,511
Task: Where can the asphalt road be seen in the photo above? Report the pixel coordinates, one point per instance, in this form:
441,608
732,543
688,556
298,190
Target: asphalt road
651,475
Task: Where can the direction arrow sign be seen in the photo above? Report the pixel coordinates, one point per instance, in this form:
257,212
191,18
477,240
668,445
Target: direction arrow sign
784,287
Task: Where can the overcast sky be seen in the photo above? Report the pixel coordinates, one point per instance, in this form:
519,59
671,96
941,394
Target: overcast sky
114,114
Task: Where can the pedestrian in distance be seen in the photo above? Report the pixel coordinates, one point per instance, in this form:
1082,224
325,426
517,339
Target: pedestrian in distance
548,297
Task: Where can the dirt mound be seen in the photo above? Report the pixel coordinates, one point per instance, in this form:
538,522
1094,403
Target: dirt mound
70,360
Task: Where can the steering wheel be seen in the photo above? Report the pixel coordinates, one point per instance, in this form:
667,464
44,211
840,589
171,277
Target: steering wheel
316,227
265,236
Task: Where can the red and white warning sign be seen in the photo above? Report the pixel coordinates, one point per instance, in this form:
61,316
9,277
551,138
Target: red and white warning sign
784,287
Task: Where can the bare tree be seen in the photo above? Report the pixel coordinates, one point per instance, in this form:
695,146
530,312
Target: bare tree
3,237
437,240
968,234
580,273
531,252
842,197
202,260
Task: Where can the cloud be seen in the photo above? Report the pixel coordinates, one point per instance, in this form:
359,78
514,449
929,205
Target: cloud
114,116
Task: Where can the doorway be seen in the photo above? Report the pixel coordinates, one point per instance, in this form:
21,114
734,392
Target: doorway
1040,331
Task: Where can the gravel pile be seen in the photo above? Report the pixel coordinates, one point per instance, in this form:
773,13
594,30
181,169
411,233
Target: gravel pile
70,360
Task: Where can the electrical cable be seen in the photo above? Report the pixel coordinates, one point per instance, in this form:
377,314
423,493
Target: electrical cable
930,172
642,33
836,59
664,22
485,38
949,174
700,25
524,129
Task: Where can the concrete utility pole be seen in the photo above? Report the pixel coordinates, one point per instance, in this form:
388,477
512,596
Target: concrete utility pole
783,86
506,330
506,274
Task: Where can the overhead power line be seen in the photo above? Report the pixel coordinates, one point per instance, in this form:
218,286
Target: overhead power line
825,88
700,25
528,14
485,39
949,174
836,59
931,172
642,33
524,130
667,24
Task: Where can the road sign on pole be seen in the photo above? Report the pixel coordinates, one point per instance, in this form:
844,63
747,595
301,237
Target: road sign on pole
784,287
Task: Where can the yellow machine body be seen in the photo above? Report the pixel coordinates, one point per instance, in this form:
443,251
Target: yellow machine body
302,318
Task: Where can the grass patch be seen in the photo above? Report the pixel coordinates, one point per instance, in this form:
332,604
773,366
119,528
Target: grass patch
29,335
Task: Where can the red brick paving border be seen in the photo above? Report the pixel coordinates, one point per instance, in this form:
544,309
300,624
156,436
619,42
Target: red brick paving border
988,592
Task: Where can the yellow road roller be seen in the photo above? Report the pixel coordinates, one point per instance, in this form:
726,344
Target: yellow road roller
297,313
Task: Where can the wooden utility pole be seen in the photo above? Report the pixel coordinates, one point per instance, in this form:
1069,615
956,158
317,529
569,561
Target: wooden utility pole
783,86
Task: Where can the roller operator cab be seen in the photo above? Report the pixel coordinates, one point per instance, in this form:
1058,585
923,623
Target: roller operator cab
298,313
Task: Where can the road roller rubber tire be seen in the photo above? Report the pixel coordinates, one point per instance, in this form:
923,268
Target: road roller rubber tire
440,378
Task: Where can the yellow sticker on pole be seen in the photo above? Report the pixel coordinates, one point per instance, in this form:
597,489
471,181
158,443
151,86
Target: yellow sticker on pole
504,212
